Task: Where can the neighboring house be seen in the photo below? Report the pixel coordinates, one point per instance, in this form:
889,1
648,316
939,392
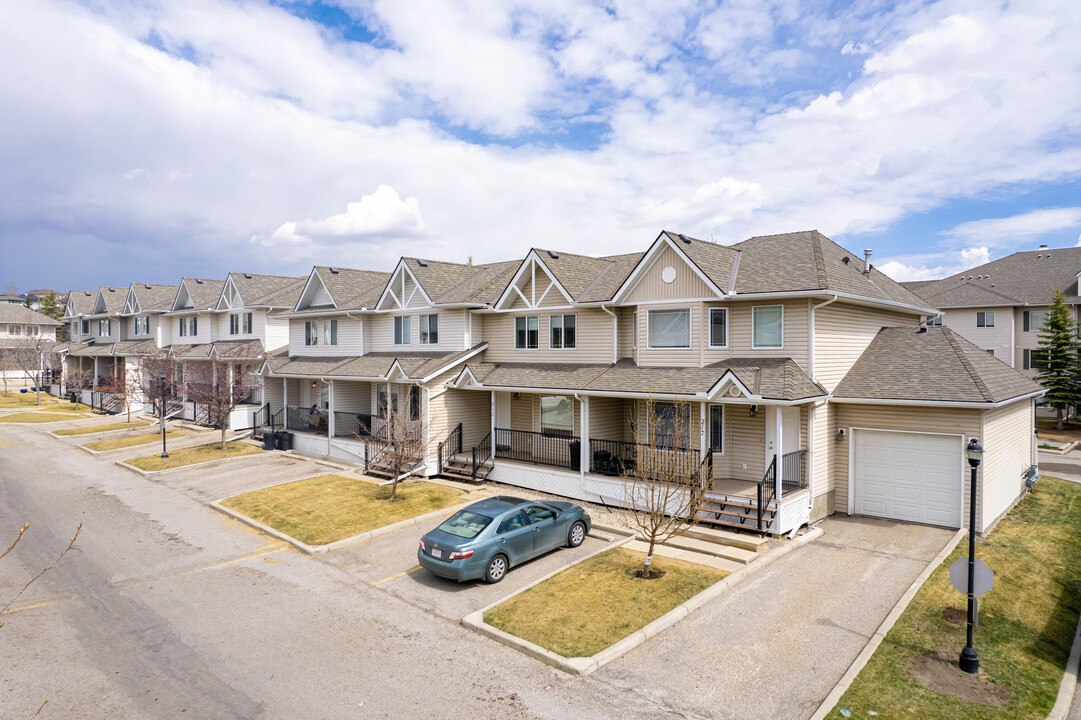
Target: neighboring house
37,297
1000,306
9,299
805,374
22,327
95,332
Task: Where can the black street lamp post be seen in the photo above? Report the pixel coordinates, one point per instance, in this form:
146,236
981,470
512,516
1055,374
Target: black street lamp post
163,453
970,661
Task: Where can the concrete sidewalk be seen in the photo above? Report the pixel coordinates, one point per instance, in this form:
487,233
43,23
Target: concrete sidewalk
775,646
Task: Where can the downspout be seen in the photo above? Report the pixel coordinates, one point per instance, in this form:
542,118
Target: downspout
615,334
583,436
812,413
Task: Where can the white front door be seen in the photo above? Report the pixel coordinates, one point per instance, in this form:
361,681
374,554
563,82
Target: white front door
502,410
908,476
790,438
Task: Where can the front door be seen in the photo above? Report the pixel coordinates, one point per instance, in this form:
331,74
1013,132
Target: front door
790,439
515,537
502,410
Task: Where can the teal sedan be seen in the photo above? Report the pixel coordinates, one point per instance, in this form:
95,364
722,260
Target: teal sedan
493,535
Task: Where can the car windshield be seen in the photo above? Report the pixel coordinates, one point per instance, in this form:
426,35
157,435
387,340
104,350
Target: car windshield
466,524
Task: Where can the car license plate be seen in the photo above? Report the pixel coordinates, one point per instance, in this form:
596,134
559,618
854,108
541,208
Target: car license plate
436,553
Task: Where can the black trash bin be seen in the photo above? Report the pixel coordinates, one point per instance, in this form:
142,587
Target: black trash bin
286,440
72,397
575,447
268,441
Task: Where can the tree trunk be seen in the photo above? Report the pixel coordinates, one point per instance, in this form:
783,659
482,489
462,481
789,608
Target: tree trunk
649,557
223,437
1058,412
394,488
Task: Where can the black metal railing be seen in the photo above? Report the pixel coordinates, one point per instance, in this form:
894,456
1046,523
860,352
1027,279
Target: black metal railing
450,446
259,418
275,422
705,472
352,424
767,488
482,453
657,462
793,471
564,451
304,420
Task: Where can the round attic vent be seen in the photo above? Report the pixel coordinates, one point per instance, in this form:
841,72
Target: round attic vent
668,274
733,391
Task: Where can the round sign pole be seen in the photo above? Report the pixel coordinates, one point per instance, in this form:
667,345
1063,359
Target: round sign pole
970,661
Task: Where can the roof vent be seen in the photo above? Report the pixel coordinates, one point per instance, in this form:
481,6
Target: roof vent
247,276
198,281
553,254
147,287
112,289
333,271
866,261
684,238
1043,247
846,259
1039,257
422,263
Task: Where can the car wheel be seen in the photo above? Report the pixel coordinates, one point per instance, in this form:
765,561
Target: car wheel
577,534
497,569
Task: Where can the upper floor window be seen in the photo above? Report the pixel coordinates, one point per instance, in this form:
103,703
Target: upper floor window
189,326
934,320
240,323
105,327
429,329
564,331
85,327
142,326
402,330
557,415
985,318
1034,319
670,328
767,326
718,327
330,332
526,332
311,332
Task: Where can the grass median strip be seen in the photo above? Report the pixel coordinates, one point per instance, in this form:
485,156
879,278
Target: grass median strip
193,455
595,604
101,428
37,417
1026,624
131,441
324,509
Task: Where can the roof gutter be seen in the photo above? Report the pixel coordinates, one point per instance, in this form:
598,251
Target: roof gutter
697,396
811,359
940,403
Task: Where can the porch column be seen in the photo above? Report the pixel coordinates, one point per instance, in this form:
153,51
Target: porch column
811,417
94,381
330,413
231,380
492,394
702,431
583,451
778,415
285,402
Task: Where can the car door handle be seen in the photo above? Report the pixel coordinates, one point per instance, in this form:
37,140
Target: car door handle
503,540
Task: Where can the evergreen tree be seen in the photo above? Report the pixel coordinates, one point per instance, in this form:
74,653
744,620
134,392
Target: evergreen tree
1057,358
51,306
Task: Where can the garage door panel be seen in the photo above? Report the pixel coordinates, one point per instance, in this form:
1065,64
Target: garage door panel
908,476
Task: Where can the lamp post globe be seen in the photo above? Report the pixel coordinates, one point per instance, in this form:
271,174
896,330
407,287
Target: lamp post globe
970,660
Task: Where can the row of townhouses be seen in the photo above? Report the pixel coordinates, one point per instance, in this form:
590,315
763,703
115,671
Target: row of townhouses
787,373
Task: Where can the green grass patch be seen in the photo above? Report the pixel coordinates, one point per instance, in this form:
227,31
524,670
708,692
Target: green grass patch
588,607
193,455
101,428
327,508
133,440
22,400
1026,623
36,417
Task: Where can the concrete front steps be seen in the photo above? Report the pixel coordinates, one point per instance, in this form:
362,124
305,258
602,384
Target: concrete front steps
720,549
686,555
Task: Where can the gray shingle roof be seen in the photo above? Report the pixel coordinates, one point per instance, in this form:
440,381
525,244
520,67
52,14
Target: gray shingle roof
239,349
770,378
353,289
446,282
129,348
114,298
1024,278
586,278
83,301
154,298
204,292
373,365
936,365
272,290
11,313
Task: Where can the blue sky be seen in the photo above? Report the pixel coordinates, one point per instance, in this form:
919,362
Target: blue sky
148,140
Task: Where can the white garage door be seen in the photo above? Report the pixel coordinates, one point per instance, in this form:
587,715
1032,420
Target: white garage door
908,476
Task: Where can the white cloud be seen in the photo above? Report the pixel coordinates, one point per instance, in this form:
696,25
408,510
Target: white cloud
934,267
1017,229
381,216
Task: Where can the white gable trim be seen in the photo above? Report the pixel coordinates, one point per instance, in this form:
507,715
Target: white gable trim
230,296
647,261
131,303
401,302
99,303
729,379
467,377
532,260
304,293
69,308
183,300
396,372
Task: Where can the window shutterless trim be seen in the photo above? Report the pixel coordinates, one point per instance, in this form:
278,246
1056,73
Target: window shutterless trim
649,327
767,347
709,328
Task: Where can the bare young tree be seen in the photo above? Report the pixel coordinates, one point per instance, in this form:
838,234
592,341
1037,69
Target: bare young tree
153,365
7,365
665,487
229,378
29,353
123,388
403,443
78,378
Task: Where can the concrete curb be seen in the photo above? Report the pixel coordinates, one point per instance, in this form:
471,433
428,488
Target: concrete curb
39,424
585,665
132,430
355,540
869,649
207,463
156,440
1069,680
1058,451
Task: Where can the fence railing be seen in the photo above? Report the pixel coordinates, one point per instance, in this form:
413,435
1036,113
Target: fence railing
482,453
793,472
657,462
563,451
450,446
275,421
259,417
304,420
767,488
352,424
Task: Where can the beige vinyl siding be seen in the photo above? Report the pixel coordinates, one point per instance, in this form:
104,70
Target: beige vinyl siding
272,393
471,408
900,418
473,327
352,396
1022,340
129,328
452,332
258,325
594,338
687,285
744,455
349,341
626,331
843,332
1007,442
825,446
608,419
205,326
670,357
277,332
998,338
291,392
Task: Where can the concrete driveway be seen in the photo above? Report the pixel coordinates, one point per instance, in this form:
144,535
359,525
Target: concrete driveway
775,646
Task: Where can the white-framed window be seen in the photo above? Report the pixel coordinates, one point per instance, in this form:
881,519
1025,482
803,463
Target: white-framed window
234,324
985,318
563,332
183,323
670,328
85,327
403,334
193,326
330,331
105,328
934,320
557,415
718,327
429,329
1031,360
240,323
767,326
716,428
311,332
1034,319
527,332
381,401
671,424
142,325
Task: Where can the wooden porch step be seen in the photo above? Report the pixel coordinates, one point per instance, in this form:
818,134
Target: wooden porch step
456,472
732,520
706,547
726,537
686,555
